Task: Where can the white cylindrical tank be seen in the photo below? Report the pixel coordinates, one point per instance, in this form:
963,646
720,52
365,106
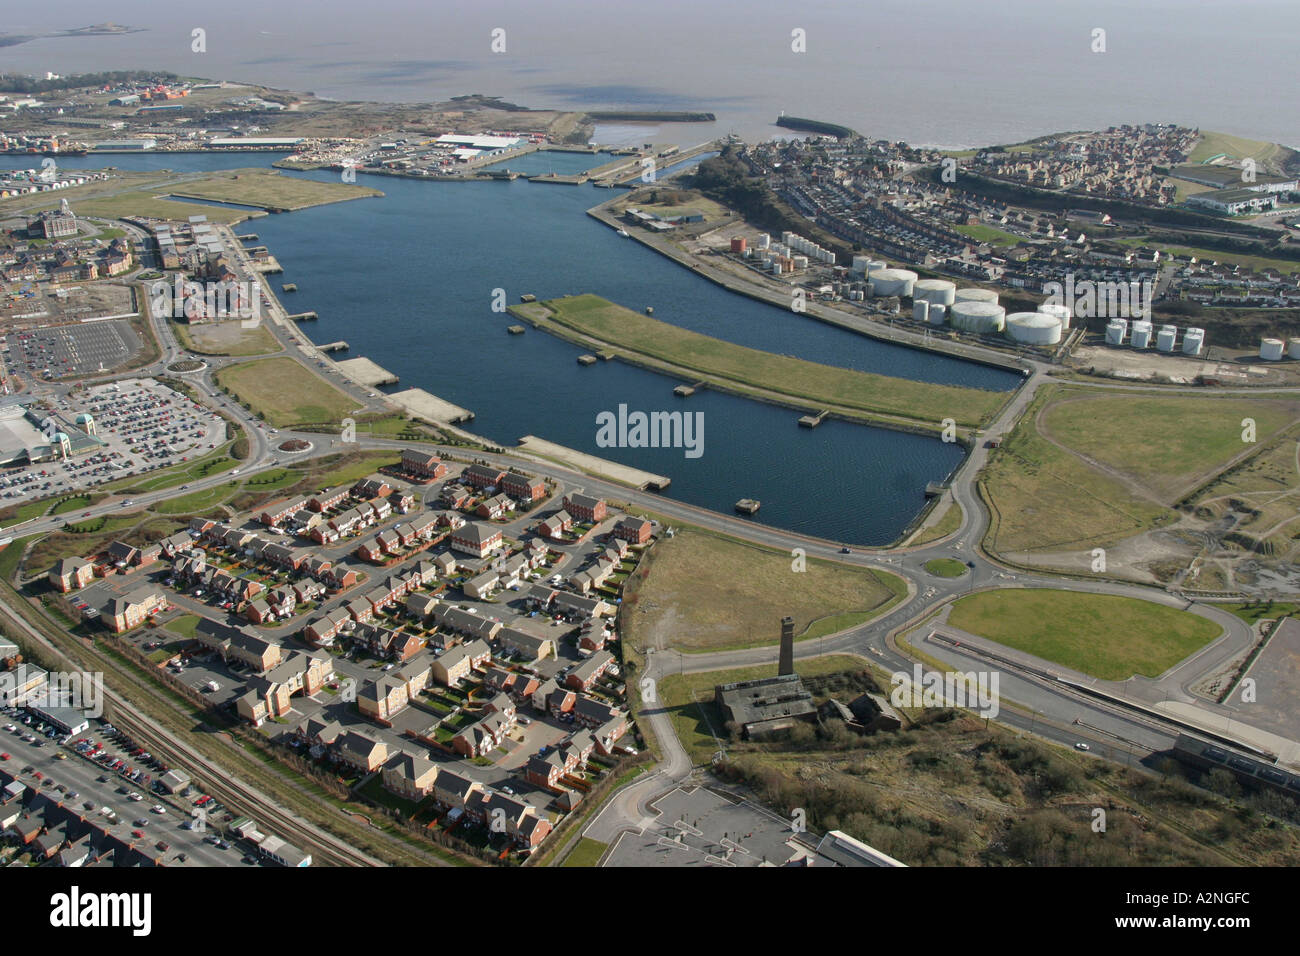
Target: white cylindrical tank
1059,312
921,310
1293,348
938,312
976,295
893,281
980,317
870,290
1033,328
1116,329
801,262
939,291
764,241
1270,349
1166,338
1141,337
1193,341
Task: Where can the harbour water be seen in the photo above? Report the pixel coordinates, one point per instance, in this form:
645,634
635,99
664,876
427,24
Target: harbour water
409,280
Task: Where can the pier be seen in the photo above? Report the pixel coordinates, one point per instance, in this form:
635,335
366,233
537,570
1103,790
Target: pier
587,360
515,329
421,404
249,237
304,317
748,506
686,391
339,346
590,464
366,372
289,287
812,421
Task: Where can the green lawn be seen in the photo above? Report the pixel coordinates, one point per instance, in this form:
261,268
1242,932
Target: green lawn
270,189
990,234
697,602
1106,636
946,567
586,853
286,392
183,625
1254,613
807,384
1164,442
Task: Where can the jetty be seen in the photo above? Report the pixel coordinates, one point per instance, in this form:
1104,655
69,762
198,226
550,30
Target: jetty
304,317
686,391
515,329
366,372
592,465
747,506
248,237
339,346
424,405
812,421
289,287
934,489
587,360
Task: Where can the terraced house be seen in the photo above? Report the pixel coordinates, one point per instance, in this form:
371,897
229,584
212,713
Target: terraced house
132,610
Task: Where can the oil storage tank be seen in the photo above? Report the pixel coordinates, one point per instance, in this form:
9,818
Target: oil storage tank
1141,335
982,317
939,291
1033,328
1193,341
1060,312
893,281
1293,348
1270,349
1166,338
921,310
865,265
938,313
976,295
1116,331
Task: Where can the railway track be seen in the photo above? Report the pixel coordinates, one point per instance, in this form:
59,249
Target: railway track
228,788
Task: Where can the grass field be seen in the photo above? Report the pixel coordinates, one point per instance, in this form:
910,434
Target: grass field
1164,442
1114,464
689,699
270,189
1211,144
285,392
946,525
808,384
946,567
989,234
587,852
703,592
225,338
1044,498
148,203
1106,636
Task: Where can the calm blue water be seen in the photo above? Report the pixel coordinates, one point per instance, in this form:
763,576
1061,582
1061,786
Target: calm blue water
552,161
409,280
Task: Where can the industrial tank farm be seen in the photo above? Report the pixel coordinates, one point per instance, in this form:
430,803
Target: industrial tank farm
978,317
1033,328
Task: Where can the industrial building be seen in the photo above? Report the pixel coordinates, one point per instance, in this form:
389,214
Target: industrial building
760,707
